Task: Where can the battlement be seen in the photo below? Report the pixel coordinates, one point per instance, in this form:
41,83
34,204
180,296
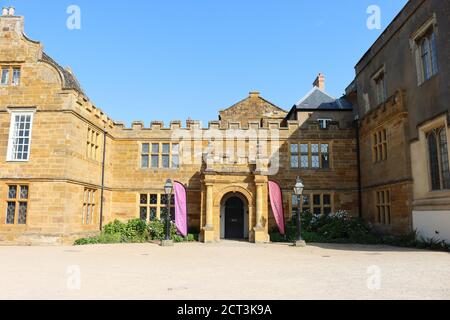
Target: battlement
290,125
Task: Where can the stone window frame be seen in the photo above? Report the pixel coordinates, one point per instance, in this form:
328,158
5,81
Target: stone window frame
12,134
161,203
379,83
379,145
309,205
383,206
89,210
11,73
149,154
428,29
442,168
17,200
300,154
93,144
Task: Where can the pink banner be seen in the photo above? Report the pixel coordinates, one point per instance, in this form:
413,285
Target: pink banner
180,208
276,201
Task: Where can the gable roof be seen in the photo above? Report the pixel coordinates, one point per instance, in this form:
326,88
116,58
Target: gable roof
318,99
259,97
70,82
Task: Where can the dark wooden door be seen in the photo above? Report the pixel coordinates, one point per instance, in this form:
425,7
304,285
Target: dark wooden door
234,218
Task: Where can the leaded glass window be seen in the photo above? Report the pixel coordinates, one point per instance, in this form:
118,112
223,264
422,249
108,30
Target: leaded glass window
17,204
438,159
153,206
145,155
383,207
428,55
16,77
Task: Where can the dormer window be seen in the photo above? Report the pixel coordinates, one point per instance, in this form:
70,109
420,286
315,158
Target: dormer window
324,123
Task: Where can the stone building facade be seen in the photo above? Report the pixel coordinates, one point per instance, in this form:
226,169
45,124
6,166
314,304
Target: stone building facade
401,97
66,168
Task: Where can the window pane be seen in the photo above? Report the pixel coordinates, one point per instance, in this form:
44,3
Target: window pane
145,148
172,213
294,200
434,162
294,161
426,59
327,210
12,192
304,148
325,161
166,148
154,199
314,148
305,162
434,53
175,161
444,158
165,161
16,77
306,200
153,215
326,199
163,199
294,148
143,199
155,161
23,192
317,210
155,148
5,76
175,148
144,161
316,199
10,212
22,213
315,163
143,213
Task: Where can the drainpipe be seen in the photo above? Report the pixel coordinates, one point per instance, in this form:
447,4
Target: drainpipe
103,180
358,160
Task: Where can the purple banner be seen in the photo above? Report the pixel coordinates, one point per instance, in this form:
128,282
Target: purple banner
276,201
180,208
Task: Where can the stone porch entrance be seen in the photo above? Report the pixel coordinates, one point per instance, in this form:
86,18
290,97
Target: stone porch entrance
237,183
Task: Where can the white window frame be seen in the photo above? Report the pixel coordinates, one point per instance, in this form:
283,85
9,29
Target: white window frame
325,121
9,155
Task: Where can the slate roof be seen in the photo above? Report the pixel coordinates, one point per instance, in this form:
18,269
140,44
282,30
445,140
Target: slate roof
70,82
317,99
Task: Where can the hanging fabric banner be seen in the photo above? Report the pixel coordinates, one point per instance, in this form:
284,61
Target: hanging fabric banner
180,208
276,202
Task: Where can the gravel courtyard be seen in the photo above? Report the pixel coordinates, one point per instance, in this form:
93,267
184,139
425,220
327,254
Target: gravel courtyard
227,270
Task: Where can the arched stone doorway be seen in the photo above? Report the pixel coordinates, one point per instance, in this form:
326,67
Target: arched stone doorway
234,217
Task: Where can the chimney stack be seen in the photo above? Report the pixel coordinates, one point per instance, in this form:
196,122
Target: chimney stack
320,82
8,11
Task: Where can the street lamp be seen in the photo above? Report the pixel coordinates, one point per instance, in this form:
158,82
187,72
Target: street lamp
298,191
168,190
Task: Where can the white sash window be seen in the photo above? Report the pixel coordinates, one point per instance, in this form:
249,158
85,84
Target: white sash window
19,142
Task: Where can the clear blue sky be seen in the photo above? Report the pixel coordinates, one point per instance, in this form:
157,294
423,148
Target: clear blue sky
171,60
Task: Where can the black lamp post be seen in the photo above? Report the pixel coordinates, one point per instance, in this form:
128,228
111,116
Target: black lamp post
168,189
298,191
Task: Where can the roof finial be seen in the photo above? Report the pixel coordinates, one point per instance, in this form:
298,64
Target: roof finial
5,11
